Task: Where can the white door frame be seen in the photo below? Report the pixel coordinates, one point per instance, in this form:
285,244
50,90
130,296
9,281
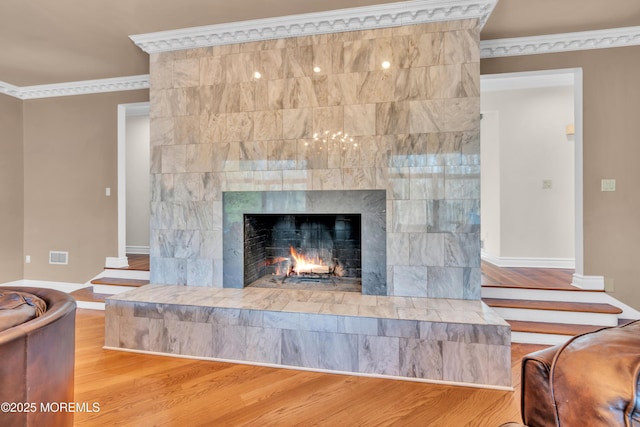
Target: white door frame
124,110
545,78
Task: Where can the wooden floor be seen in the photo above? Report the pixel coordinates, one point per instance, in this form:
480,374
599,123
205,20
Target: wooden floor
532,278
138,262
144,390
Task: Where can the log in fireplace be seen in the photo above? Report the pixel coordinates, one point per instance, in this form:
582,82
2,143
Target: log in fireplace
303,251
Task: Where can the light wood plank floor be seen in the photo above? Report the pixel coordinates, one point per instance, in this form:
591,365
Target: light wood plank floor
144,390
533,278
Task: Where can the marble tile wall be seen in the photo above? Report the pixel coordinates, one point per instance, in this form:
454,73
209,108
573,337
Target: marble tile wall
322,114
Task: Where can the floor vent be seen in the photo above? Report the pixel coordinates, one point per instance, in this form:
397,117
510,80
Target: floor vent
58,257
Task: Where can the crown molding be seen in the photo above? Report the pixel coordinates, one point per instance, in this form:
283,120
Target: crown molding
84,87
554,43
352,19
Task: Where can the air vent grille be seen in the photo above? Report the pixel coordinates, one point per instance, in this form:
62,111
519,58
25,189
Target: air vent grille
58,257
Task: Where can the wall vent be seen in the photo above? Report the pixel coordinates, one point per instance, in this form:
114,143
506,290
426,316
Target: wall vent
58,257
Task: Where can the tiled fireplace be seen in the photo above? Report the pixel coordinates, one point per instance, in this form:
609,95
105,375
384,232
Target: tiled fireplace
375,129
363,210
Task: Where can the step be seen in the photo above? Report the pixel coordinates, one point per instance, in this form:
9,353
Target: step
551,328
87,298
116,285
120,281
584,307
555,311
579,295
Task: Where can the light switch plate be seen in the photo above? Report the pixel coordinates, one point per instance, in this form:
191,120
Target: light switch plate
608,185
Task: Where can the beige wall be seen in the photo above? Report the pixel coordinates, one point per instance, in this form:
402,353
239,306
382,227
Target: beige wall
70,149
611,150
11,189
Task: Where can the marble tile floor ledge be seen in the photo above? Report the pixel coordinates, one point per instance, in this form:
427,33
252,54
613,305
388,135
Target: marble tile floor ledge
461,342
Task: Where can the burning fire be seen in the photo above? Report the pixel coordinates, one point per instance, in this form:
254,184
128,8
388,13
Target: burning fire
304,264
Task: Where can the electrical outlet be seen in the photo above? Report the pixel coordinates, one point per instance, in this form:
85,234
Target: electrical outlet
547,184
27,259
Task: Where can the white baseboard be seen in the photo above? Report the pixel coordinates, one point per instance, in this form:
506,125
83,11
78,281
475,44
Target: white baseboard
115,262
138,250
588,282
505,262
58,286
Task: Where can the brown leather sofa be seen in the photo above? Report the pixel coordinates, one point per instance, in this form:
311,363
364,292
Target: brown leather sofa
37,363
592,380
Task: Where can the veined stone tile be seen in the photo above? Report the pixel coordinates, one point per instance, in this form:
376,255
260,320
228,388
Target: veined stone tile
476,363
188,187
264,345
226,157
212,70
358,299
253,155
298,61
377,311
318,322
239,181
376,86
213,128
327,179
300,348
247,96
358,325
462,250
342,89
339,309
161,131
462,114
312,154
472,283
199,157
297,123
359,119
269,63
328,119
268,180
299,93
267,125
246,317
409,216
398,248
239,127
322,59
186,73
419,314
426,116
427,182
397,179
471,79
282,154
426,49
155,160
392,118
134,333
445,282
294,180
281,320
186,130
302,307
212,184
160,75
461,46
359,55
398,328
421,358
275,93
338,352
111,327
445,81
239,67
380,355
229,342
410,281
174,158
360,178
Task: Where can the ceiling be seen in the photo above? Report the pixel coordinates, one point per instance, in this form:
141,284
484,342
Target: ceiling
45,41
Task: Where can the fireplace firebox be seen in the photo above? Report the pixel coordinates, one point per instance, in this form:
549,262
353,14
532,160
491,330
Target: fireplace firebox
303,251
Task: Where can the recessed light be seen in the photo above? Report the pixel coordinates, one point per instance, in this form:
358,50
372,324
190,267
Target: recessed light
257,75
386,64
316,69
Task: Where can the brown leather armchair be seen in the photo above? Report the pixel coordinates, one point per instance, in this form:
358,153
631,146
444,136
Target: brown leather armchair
592,380
37,362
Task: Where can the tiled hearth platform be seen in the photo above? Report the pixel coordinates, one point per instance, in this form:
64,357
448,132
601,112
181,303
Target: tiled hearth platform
457,341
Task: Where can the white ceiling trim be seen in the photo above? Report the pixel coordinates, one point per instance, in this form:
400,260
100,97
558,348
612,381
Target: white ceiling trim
352,19
554,43
85,87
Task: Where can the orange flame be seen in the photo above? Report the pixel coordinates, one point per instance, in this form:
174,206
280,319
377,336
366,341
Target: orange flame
304,264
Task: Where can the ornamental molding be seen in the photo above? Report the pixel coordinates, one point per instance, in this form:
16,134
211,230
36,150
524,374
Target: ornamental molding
566,42
84,87
308,24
